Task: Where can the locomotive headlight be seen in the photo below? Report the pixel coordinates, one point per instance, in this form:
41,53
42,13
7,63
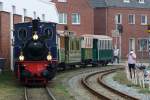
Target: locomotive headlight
49,56
21,57
35,36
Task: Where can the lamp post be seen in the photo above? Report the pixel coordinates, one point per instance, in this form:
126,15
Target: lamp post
66,43
120,30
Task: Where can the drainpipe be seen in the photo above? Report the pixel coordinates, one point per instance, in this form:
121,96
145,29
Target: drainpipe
11,42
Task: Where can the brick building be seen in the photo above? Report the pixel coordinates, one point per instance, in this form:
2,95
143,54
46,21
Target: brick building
12,12
103,17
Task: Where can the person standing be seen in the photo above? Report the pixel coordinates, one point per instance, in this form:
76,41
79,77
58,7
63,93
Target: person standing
131,63
116,55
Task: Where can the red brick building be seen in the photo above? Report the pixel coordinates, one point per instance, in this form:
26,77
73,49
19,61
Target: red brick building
82,13
5,42
103,16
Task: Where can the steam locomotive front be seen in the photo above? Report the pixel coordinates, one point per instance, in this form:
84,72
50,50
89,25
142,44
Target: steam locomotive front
35,59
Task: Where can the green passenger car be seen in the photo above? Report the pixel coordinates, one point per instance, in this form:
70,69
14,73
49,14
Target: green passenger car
69,47
96,49
102,49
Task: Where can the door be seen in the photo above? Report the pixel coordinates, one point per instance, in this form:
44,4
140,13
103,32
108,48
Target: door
95,49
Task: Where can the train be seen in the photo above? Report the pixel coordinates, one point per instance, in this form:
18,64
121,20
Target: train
39,51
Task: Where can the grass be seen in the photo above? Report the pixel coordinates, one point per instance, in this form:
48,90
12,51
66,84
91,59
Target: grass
59,88
9,87
122,79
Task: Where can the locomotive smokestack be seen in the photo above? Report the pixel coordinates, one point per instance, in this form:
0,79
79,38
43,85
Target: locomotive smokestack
35,25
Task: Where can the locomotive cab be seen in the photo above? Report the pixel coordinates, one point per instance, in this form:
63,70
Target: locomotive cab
35,56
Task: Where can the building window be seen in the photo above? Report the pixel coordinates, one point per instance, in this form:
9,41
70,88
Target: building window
75,18
126,1
62,0
1,6
118,19
62,18
14,9
143,20
131,19
141,1
143,44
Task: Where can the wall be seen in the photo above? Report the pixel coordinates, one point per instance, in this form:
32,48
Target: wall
86,16
100,21
129,30
5,37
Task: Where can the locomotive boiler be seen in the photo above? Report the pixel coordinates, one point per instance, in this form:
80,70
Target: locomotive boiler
35,52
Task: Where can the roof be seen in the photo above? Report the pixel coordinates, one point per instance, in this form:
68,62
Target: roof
100,37
119,3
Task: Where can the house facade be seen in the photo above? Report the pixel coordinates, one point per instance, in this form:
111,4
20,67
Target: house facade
104,17
77,15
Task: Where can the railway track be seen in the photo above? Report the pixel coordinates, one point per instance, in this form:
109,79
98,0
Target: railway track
111,94
38,94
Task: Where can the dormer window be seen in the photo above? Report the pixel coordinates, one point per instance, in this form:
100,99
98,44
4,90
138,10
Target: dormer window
126,1
141,1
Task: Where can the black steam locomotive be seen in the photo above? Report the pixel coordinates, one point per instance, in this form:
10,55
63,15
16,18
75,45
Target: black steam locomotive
35,51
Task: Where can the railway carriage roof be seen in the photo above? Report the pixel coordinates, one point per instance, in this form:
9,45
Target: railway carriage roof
99,37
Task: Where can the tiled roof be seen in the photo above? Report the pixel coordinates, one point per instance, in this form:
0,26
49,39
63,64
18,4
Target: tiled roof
119,3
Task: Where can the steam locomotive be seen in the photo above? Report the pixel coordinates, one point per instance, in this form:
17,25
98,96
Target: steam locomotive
35,52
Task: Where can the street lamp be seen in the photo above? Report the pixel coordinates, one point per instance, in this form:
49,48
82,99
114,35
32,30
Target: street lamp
120,30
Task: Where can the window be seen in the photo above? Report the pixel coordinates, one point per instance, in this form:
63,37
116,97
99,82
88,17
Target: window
22,34
143,20
141,1
62,0
62,18
143,44
126,1
131,19
106,44
1,6
14,9
118,19
75,18
48,33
